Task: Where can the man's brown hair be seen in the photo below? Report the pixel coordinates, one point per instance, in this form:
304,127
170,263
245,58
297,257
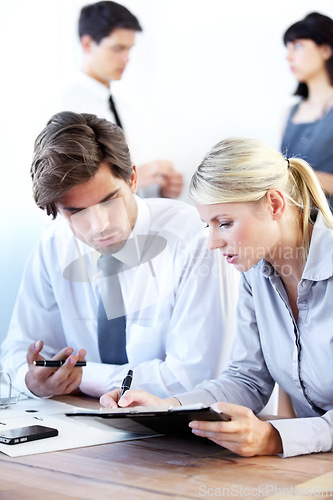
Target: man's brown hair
70,150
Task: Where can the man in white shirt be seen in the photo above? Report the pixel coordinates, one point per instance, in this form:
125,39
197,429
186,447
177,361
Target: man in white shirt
107,33
178,313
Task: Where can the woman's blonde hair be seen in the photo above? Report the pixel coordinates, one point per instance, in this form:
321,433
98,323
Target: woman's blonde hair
240,169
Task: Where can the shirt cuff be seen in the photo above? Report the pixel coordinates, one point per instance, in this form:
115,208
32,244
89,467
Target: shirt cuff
300,436
99,378
19,382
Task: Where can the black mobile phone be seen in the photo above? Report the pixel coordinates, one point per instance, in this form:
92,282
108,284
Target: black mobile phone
24,434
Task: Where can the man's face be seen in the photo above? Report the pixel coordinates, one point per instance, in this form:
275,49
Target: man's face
102,211
107,60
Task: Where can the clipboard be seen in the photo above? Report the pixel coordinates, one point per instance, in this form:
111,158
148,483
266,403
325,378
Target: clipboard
170,420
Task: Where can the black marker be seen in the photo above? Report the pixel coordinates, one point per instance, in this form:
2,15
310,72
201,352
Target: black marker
126,382
56,363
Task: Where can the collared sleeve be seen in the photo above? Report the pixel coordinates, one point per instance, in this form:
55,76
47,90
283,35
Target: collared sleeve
305,435
246,381
35,316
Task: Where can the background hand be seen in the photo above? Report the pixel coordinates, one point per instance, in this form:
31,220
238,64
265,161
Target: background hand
245,434
163,173
173,185
44,382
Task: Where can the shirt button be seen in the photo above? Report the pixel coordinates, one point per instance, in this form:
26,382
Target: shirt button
267,270
302,304
305,285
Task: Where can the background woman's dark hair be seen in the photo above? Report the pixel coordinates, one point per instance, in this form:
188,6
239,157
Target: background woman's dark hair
316,27
70,150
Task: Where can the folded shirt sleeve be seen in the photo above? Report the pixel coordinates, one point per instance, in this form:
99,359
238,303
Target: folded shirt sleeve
305,435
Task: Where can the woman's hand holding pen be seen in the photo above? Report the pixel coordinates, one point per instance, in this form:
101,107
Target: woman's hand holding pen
134,398
44,382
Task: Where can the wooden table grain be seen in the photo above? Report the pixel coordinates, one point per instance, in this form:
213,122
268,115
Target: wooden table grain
160,468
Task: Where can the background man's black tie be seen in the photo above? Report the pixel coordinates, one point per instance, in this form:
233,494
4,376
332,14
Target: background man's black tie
111,332
114,111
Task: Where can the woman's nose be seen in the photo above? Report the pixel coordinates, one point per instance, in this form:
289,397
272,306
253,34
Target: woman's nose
215,241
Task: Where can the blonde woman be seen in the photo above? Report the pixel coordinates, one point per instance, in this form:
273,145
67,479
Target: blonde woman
270,219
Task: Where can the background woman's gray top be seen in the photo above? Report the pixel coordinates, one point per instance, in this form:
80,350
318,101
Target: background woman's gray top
311,141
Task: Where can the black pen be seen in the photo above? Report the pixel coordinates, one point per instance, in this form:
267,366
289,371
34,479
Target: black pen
126,382
56,363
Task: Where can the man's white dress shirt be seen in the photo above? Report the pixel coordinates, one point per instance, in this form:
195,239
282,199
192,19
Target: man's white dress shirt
180,304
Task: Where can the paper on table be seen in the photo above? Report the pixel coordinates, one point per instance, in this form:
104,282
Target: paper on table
72,434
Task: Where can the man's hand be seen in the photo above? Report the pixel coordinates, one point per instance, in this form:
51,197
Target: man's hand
44,382
135,398
163,173
244,434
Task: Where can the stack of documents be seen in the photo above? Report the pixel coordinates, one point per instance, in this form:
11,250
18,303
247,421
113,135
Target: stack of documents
73,433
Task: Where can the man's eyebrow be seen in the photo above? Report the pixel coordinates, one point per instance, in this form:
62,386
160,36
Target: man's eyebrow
74,209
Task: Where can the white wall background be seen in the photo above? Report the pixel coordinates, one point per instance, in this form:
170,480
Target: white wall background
203,70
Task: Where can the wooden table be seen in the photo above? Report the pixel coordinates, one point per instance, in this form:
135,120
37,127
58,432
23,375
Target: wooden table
160,468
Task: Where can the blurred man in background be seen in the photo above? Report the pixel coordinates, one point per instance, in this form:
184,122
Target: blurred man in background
107,33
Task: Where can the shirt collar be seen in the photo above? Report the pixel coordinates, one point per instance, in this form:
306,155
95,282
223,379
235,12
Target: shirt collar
319,264
96,86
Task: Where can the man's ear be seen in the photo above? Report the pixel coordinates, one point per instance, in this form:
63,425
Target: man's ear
276,202
134,179
86,43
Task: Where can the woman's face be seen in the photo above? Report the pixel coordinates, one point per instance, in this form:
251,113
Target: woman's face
307,59
243,232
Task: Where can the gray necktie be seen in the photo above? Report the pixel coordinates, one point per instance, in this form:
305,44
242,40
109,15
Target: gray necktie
111,326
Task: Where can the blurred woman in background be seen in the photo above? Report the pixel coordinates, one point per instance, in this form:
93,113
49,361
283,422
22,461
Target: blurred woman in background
308,131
